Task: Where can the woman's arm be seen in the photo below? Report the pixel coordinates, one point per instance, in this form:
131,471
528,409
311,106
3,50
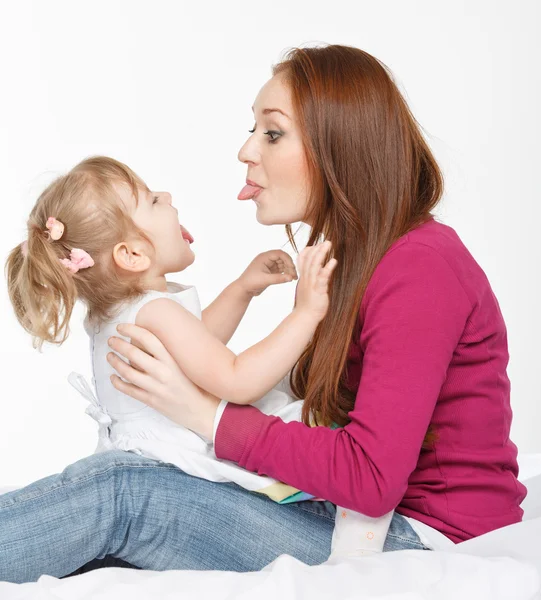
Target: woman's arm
415,311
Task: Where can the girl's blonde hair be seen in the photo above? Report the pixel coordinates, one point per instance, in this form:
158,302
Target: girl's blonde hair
41,289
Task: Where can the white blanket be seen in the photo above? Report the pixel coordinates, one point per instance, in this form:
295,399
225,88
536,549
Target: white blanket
500,565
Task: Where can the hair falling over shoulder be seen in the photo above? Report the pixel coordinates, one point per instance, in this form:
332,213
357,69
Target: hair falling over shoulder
374,179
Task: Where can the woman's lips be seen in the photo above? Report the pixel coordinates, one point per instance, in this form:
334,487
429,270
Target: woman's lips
249,191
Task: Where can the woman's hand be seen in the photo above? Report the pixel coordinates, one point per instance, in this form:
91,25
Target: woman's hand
154,378
267,268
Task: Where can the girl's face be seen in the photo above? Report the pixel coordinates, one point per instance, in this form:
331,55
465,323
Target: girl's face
277,178
158,218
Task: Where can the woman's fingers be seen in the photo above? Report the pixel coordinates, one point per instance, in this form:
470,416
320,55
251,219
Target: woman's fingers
144,339
131,390
138,357
129,373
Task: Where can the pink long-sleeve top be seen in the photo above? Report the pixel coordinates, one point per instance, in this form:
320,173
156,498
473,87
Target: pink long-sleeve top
432,350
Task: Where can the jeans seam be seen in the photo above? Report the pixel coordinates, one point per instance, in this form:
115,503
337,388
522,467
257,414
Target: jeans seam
313,512
409,540
83,479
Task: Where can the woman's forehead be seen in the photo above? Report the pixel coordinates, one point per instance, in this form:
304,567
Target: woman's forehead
275,94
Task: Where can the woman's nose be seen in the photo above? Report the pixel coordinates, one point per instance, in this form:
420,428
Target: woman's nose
168,197
248,154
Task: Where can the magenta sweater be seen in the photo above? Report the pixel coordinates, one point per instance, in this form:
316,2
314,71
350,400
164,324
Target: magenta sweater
432,349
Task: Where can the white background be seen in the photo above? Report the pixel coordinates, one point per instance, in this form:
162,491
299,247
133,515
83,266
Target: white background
167,86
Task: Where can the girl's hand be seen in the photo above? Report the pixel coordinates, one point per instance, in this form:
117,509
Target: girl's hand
153,377
312,289
267,268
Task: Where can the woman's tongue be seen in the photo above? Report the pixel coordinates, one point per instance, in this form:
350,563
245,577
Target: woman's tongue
248,192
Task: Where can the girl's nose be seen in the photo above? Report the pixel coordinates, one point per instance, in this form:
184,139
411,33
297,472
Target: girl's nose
168,197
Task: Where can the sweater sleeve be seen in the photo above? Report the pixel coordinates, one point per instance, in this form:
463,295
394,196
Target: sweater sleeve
413,315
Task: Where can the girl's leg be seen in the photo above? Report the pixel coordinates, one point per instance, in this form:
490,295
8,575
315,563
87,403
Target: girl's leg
153,516
402,536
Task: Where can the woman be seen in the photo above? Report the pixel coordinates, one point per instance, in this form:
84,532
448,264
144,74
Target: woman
410,361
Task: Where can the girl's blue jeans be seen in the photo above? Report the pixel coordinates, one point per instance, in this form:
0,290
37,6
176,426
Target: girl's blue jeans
124,508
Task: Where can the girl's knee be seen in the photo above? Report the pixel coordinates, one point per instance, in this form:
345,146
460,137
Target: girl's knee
104,462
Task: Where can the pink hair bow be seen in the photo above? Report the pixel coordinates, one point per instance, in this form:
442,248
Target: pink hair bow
56,228
79,259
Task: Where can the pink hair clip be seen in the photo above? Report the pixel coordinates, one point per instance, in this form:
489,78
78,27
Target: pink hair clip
79,259
56,228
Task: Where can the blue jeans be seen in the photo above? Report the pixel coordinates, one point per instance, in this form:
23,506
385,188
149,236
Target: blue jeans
118,505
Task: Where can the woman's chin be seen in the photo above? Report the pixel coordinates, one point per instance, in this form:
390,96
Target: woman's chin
264,219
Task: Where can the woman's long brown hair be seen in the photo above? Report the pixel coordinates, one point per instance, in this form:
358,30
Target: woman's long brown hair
374,179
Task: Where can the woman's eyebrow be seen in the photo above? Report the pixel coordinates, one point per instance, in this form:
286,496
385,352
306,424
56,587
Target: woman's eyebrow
267,111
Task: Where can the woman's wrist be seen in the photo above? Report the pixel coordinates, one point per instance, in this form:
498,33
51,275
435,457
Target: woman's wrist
202,421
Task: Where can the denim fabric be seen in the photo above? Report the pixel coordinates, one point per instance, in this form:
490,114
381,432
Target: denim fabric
124,510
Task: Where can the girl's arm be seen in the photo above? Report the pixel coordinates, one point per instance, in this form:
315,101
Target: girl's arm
245,378
205,360
223,315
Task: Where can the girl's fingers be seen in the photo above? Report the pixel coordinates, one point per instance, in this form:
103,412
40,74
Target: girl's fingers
289,266
307,255
300,261
319,256
329,267
313,252
277,260
325,275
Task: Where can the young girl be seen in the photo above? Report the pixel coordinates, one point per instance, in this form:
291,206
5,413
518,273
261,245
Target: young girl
99,234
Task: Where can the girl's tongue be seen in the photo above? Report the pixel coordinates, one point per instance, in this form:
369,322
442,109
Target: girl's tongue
186,235
247,192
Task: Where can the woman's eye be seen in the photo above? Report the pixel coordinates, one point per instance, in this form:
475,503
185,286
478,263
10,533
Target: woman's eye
273,135
156,198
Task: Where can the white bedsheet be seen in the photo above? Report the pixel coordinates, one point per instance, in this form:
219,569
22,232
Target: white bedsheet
501,565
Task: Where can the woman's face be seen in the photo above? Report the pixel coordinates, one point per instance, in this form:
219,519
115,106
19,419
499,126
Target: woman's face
277,175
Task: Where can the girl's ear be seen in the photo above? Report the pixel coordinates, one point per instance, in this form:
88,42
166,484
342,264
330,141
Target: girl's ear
131,256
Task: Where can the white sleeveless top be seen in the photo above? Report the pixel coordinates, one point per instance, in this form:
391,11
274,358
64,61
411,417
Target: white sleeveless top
127,424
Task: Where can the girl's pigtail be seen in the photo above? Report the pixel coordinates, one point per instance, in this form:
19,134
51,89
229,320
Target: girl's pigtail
41,289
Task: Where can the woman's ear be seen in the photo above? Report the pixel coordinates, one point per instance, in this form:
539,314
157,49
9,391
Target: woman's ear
131,256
